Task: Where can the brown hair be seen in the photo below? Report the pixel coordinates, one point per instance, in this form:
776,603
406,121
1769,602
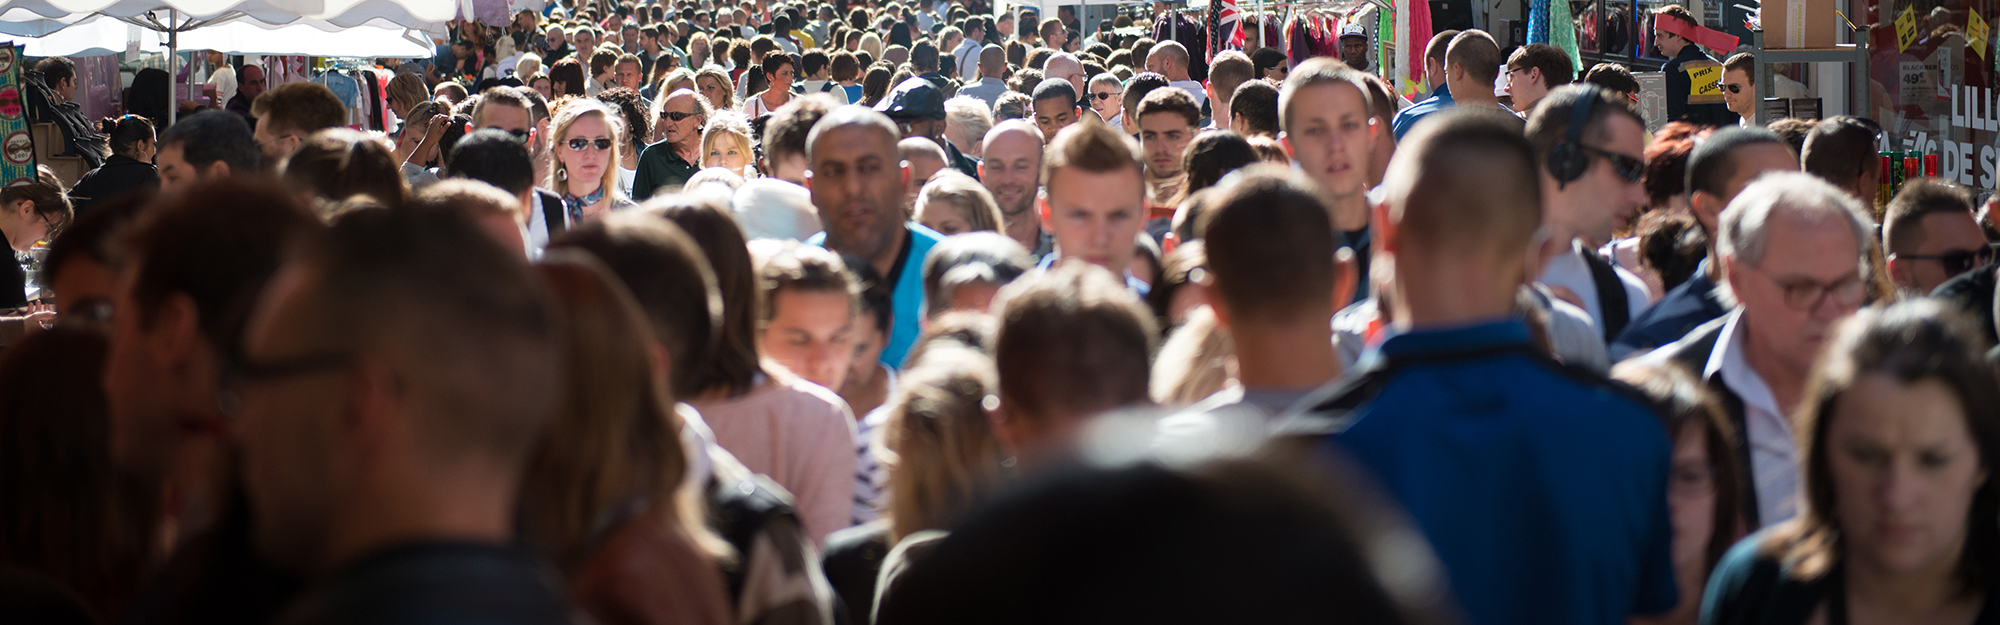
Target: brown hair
1170,101
1684,403
51,198
1557,68
1229,70
1471,184
786,131
338,163
1270,245
938,445
802,267
735,363
566,78
982,212
1477,53
668,277
1320,71
1919,199
69,515
408,88
1073,341
301,107
1092,147
615,441
1912,341
216,244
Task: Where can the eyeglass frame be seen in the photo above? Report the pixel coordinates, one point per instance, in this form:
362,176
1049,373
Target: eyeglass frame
579,144
1627,167
1795,292
1971,258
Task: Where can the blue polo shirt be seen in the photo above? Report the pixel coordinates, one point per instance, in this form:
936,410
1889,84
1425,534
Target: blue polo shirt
1680,311
1404,119
906,295
1541,487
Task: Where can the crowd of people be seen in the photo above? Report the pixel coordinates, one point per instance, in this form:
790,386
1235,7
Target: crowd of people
789,313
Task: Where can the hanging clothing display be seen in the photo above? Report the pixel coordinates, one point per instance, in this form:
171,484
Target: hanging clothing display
1173,26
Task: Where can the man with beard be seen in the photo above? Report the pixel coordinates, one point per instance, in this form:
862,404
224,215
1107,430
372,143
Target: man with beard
857,182
1013,172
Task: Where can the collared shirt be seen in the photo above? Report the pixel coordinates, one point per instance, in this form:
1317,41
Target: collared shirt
660,166
1773,452
906,291
1541,489
1680,311
1408,117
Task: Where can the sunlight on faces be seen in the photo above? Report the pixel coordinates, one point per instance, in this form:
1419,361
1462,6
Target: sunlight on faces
1744,101
868,344
947,218
811,332
1904,469
678,132
509,118
858,183
627,75
716,92
1611,200
1163,138
726,150
1330,134
1799,251
1051,116
588,163
1012,170
1943,233
1096,217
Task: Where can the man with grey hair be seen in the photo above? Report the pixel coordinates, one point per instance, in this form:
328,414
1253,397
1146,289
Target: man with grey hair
1012,170
669,163
858,182
966,121
1794,252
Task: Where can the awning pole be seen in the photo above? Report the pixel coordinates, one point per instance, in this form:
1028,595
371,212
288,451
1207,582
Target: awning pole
173,58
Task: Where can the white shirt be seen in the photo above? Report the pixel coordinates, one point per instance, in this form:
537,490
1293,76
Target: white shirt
1193,88
967,57
538,225
1570,271
224,80
1774,457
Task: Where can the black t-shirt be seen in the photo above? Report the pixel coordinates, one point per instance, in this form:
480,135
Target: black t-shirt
437,582
13,279
852,563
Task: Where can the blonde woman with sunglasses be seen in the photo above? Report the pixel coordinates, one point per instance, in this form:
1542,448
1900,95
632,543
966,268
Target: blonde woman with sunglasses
589,142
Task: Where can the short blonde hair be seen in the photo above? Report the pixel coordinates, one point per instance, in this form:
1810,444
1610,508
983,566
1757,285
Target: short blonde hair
1093,147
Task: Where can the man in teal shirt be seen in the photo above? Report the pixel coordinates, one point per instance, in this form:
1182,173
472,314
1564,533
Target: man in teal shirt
857,182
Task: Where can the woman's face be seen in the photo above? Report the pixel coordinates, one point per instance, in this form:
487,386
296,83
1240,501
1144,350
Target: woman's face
781,80
144,149
811,333
945,217
726,151
1904,470
1691,498
717,94
543,87
588,163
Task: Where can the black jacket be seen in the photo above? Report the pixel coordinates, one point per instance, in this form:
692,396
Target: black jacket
1680,86
119,174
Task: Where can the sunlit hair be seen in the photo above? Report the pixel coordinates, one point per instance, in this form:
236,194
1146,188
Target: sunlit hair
938,444
731,126
565,118
615,440
720,77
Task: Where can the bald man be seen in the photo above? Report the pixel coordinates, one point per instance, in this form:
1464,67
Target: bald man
1170,59
1013,172
1065,66
858,181
992,65
1463,206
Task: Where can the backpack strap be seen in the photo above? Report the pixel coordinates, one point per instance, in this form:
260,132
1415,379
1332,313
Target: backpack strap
1611,297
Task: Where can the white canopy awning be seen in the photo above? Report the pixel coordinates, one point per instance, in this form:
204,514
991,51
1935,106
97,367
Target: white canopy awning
102,35
420,14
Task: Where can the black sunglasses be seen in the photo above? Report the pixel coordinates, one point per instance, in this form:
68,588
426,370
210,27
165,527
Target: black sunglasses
1104,95
1960,261
676,115
1733,88
1630,168
579,144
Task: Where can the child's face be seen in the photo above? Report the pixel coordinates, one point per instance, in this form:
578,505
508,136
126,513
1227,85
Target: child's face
726,151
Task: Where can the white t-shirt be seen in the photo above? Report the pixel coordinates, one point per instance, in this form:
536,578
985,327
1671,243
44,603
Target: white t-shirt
1570,271
1193,88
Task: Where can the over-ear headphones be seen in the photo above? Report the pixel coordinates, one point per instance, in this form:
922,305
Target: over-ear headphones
1568,160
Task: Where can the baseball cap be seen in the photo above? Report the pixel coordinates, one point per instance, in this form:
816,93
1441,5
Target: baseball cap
915,98
1353,30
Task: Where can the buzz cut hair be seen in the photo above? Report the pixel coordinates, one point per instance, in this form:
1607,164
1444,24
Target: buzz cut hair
1319,71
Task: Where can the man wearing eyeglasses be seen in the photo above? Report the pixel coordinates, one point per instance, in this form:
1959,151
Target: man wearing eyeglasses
1586,201
1930,236
671,162
1794,252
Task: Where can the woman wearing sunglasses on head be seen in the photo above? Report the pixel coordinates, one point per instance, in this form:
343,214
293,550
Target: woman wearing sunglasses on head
589,141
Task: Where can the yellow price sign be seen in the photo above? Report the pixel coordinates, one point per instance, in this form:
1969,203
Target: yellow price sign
1976,32
1906,28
